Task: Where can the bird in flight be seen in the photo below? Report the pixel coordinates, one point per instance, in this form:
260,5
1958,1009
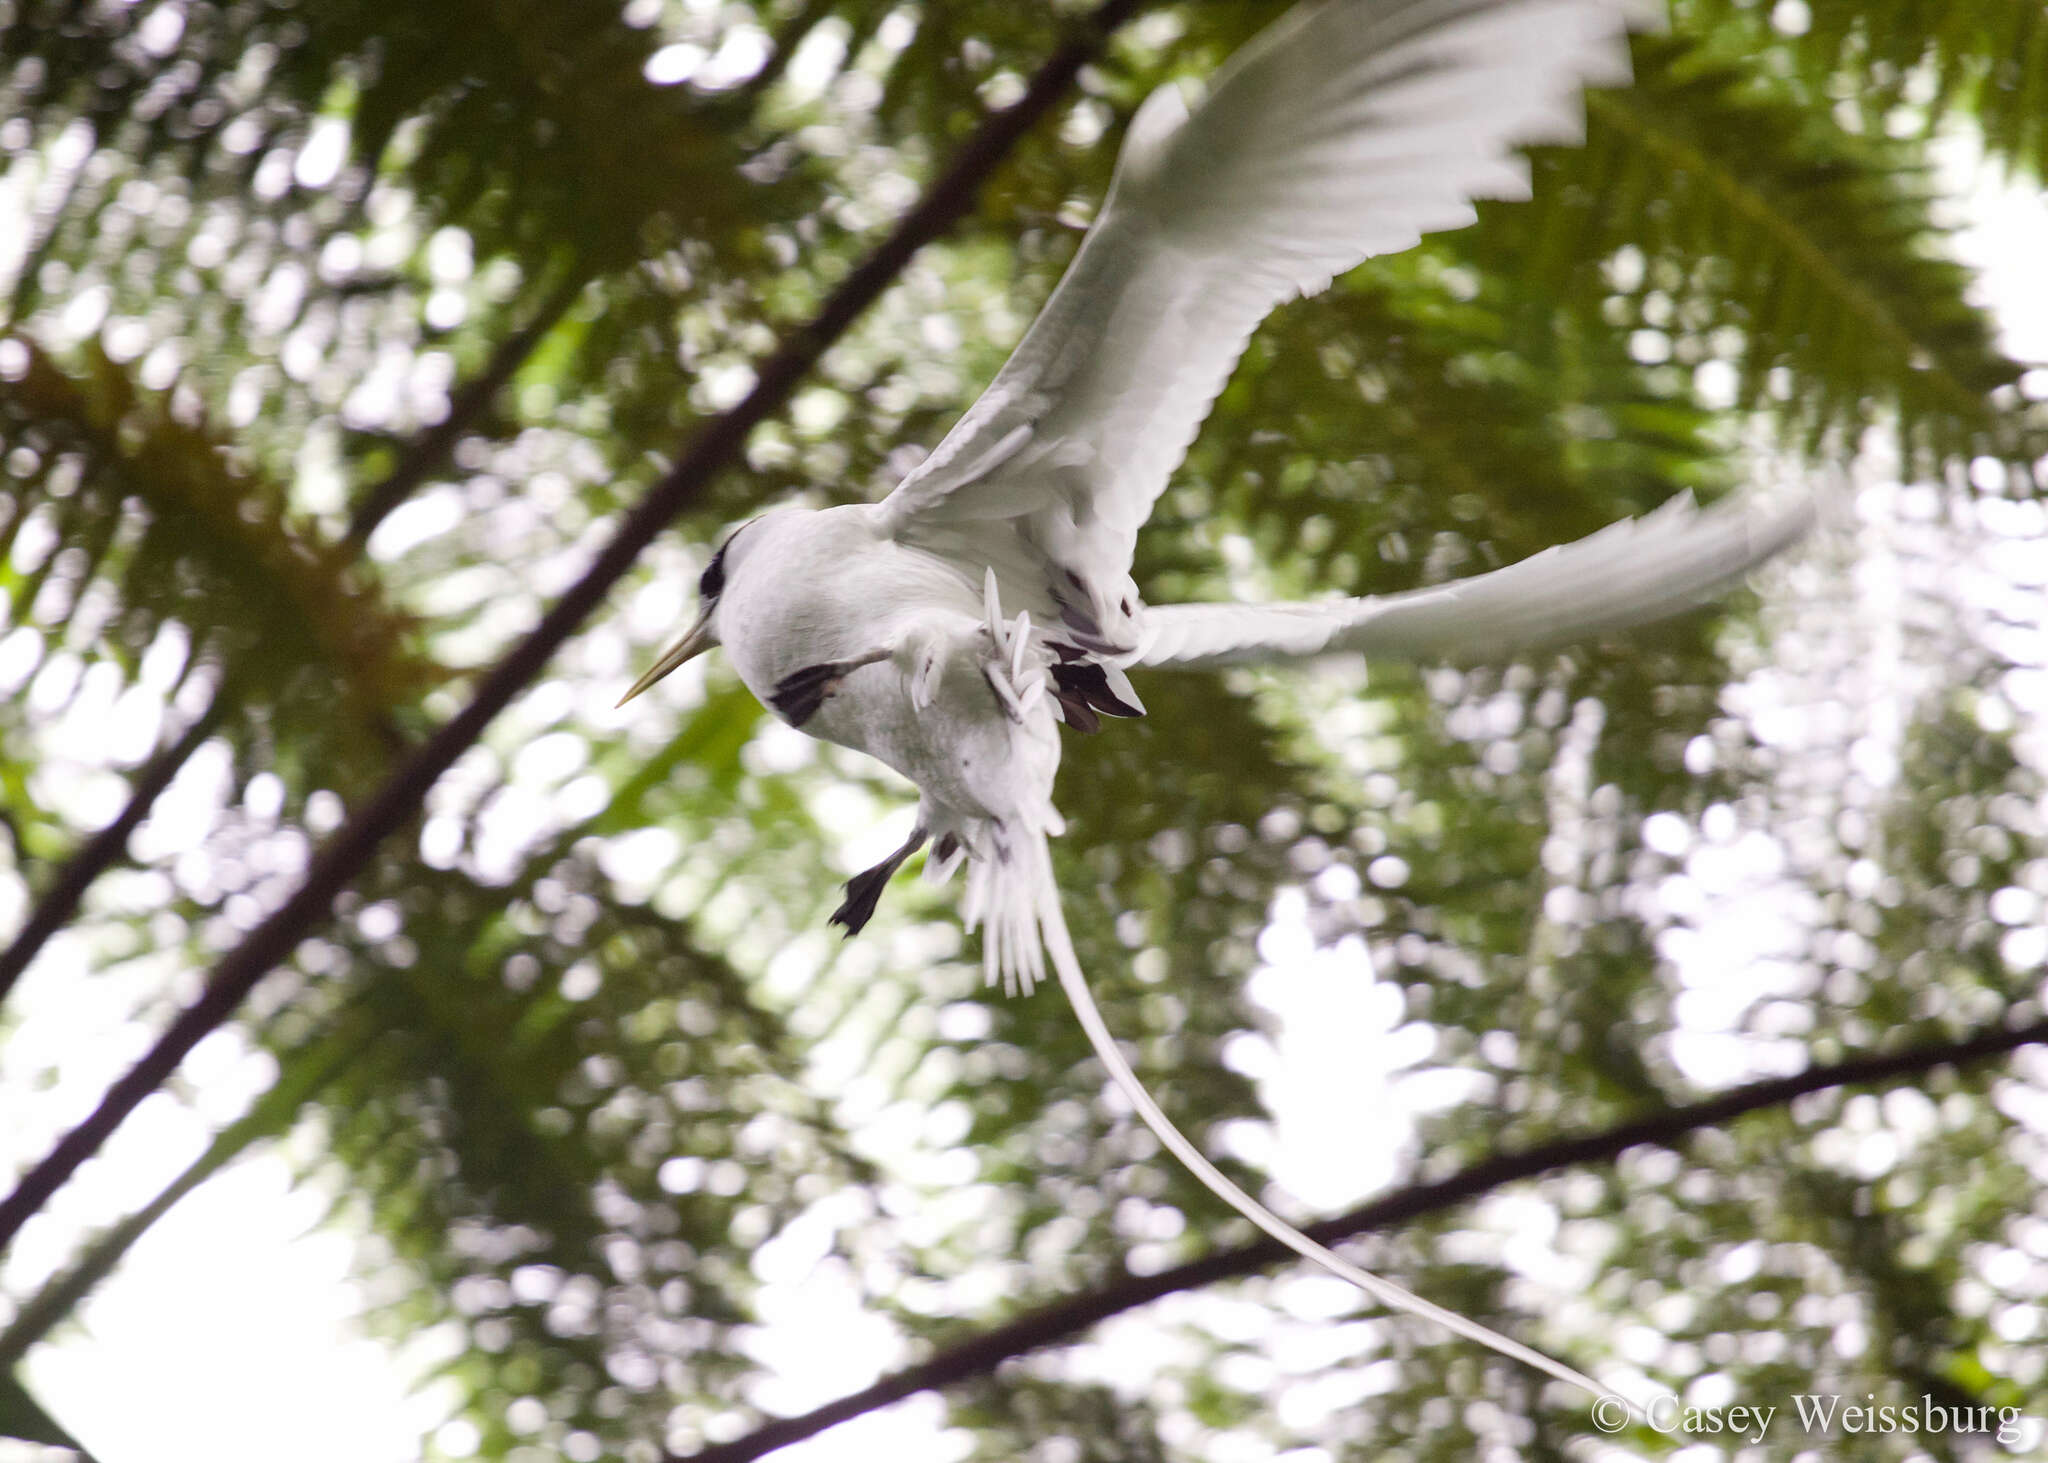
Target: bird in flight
950,629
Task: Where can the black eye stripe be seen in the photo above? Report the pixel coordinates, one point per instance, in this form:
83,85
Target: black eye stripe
711,584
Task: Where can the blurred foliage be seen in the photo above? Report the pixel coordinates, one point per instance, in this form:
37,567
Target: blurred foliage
335,334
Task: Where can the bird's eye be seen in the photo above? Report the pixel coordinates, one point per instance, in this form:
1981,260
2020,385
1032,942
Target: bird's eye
712,581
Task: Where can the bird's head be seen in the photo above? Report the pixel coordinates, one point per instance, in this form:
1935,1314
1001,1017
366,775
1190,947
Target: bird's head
702,635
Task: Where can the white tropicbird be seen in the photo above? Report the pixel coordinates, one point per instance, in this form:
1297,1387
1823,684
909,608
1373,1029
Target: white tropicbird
948,629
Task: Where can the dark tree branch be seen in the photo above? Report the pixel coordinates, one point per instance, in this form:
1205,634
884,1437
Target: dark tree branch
59,1297
425,452
345,855
53,910
1064,1320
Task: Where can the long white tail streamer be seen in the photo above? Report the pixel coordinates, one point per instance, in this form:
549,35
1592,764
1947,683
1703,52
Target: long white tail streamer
1054,926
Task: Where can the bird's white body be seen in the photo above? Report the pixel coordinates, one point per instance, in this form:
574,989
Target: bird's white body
951,694
949,629
829,586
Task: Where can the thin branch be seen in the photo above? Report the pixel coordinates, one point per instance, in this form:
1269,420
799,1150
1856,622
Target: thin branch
431,447
93,857
306,1072
345,855
422,455
1064,1320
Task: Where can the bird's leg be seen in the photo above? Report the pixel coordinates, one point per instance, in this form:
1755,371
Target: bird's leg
863,889
798,695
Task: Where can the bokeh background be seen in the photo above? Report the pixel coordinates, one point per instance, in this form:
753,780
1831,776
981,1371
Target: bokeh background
334,339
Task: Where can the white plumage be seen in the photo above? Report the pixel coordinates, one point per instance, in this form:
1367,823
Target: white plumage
950,628
1629,573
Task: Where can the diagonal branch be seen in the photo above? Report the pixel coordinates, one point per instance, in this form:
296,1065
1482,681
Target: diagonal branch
432,446
58,1298
345,855
424,454
98,853
1064,1320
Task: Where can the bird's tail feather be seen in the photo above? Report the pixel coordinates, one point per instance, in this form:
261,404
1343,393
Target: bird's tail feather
1061,948
1009,884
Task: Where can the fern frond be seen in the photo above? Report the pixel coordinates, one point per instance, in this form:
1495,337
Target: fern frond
1905,66
1744,212
191,536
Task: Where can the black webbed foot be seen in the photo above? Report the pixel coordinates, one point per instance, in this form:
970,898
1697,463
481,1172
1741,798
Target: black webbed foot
864,889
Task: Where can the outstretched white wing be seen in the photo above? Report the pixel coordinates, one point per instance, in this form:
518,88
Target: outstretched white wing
1350,128
1628,573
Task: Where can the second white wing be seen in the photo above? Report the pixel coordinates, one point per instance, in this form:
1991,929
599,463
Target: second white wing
1628,573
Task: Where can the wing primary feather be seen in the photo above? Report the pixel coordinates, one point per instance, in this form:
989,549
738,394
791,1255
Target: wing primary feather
1346,129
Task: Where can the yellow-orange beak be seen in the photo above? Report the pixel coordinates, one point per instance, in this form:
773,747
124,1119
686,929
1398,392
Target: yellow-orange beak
700,638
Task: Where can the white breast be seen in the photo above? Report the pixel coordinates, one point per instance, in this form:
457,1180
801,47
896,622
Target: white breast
821,587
